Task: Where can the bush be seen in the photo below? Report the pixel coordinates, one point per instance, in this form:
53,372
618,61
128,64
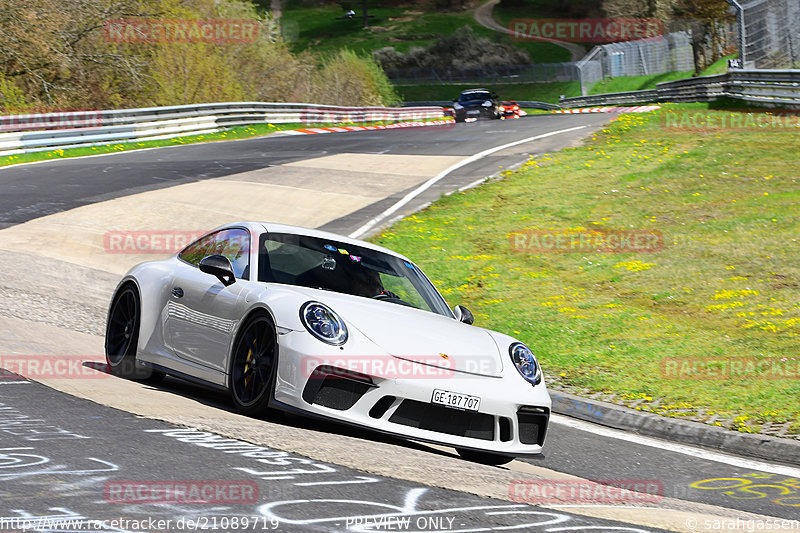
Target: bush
463,49
12,98
351,80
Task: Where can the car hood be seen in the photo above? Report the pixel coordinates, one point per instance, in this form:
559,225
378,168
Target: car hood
473,103
412,334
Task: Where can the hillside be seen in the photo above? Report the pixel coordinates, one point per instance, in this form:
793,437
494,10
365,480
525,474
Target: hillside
322,27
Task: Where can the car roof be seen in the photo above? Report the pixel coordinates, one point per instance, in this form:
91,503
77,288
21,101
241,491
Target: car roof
273,227
468,91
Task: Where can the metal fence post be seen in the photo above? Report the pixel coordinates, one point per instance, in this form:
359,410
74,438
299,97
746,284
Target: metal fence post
742,38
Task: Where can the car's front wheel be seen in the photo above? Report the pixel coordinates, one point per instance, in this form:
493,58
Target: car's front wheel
484,458
122,336
252,363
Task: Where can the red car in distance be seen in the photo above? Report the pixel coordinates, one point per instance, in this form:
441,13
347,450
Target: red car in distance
509,109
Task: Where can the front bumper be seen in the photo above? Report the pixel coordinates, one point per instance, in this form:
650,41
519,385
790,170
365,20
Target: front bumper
512,419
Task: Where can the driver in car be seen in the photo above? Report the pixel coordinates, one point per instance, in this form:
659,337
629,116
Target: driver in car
367,282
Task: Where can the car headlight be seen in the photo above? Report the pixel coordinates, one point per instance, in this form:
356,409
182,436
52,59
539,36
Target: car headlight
501,108
456,105
487,103
323,323
525,361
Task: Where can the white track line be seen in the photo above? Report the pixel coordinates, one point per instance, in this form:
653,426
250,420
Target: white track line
428,184
700,453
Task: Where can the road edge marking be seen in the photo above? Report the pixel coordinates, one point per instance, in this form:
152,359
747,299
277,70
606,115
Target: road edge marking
428,184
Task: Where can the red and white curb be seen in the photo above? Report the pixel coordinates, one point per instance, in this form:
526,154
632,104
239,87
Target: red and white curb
617,109
341,129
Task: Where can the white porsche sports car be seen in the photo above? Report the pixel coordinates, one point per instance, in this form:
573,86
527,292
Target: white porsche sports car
308,321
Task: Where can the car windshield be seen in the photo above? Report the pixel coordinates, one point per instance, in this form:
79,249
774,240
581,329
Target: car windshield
469,97
327,264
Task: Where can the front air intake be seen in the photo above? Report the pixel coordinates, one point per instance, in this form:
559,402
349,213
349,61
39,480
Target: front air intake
532,424
335,388
444,420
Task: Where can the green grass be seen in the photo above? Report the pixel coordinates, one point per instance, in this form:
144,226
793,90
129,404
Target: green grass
322,29
636,83
718,67
240,132
727,284
541,92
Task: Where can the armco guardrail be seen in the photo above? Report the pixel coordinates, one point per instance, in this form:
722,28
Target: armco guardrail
71,129
763,87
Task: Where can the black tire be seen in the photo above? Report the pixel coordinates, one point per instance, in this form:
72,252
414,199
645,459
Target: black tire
484,458
253,364
122,337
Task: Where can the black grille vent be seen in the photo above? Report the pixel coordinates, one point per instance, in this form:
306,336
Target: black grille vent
444,420
532,424
505,429
381,406
335,388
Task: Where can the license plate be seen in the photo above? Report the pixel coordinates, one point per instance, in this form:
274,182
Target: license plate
475,112
455,400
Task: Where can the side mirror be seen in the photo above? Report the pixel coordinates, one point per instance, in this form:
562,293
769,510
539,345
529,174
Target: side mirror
219,266
494,96
463,314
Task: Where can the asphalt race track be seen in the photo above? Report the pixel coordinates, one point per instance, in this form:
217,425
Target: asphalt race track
74,448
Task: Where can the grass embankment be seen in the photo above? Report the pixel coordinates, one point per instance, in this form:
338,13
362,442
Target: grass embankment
726,285
322,29
542,92
719,66
636,83
239,132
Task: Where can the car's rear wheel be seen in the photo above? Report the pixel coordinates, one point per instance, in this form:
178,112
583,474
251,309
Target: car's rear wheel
484,458
122,336
252,365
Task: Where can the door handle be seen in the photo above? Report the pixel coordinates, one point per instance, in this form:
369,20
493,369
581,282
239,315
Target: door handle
177,292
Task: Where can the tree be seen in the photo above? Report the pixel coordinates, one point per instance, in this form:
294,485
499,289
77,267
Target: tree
708,38
56,54
660,9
